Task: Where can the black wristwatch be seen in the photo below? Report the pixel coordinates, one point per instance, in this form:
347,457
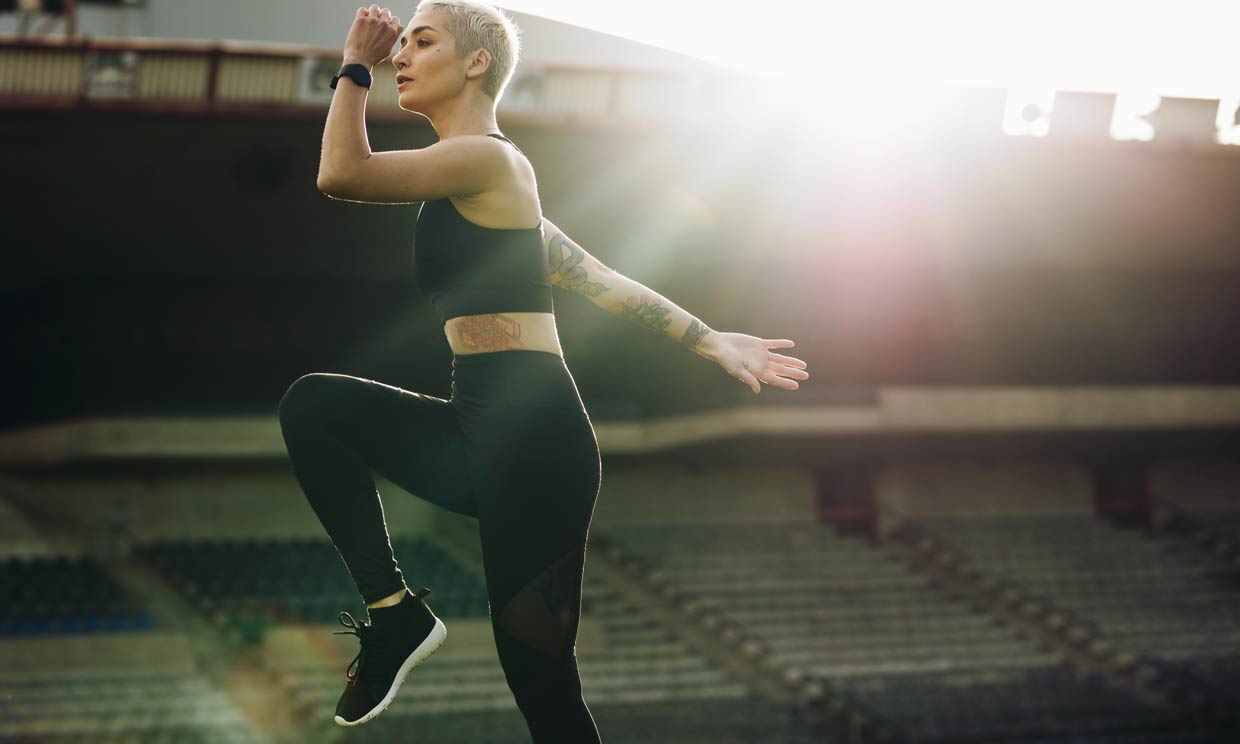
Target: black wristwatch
355,72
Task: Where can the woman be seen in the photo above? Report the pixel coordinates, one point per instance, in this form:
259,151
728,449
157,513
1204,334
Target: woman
514,447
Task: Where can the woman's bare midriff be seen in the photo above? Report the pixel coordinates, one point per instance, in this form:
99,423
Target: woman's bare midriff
474,334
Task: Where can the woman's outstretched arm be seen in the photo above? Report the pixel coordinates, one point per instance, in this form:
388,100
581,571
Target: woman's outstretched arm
747,358
574,269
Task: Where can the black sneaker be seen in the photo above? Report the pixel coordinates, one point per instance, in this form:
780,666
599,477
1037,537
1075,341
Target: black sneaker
387,656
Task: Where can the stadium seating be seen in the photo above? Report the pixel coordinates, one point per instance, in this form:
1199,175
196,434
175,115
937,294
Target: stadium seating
244,586
51,595
882,635
1144,594
852,616
119,688
285,595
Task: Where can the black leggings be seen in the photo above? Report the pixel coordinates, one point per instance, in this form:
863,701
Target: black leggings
513,448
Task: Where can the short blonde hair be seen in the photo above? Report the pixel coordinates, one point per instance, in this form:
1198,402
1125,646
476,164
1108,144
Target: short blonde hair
476,25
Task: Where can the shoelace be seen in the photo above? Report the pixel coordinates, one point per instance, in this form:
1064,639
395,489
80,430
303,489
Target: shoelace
360,630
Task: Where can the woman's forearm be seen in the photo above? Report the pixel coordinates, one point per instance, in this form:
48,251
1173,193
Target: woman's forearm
644,306
574,269
344,138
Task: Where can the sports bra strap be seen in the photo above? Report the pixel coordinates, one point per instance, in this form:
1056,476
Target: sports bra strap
500,136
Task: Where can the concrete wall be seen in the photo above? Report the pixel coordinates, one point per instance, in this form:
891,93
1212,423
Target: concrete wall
1196,485
210,504
264,502
1000,486
204,504
638,494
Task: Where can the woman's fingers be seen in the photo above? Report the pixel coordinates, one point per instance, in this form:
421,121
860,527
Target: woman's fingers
778,374
788,365
792,369
773,378
791,364
789,372
790,361
383,15
787,384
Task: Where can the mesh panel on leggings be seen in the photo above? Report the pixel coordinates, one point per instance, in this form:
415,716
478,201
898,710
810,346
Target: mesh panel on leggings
545,612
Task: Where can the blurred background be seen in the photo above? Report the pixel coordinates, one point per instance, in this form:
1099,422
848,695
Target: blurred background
1004,508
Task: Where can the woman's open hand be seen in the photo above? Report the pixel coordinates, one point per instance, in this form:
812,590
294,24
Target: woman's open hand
750,360
372,35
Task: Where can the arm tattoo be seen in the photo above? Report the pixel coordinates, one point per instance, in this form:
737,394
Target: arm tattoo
647,312
697,331
653,315
647,308
563,257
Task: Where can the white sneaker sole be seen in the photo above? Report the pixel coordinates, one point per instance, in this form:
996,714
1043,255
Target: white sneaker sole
420,654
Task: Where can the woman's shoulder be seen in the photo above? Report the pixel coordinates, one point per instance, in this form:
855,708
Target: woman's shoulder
511,203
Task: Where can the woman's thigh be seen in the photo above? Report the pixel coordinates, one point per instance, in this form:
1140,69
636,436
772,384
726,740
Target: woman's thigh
537,488
412,439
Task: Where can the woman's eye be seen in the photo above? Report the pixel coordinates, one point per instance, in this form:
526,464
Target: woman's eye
422,40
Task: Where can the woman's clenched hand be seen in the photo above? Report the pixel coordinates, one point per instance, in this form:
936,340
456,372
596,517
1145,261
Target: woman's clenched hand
372,35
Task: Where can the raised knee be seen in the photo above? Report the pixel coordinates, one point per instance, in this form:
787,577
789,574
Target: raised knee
301,396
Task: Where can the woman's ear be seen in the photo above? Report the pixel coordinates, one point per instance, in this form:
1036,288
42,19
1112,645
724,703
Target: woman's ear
479,64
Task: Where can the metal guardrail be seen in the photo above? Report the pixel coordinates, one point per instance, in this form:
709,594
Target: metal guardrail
268,79
281,80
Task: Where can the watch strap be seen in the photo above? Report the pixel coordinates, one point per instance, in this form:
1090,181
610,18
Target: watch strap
354,71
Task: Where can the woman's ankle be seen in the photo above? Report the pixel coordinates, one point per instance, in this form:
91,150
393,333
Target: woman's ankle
390,600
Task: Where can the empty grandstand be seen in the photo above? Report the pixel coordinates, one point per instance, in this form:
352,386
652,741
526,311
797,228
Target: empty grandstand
1005,509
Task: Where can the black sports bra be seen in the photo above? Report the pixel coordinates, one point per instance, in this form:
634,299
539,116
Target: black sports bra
464,268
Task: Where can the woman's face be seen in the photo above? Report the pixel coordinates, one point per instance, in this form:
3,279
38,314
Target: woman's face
427,57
